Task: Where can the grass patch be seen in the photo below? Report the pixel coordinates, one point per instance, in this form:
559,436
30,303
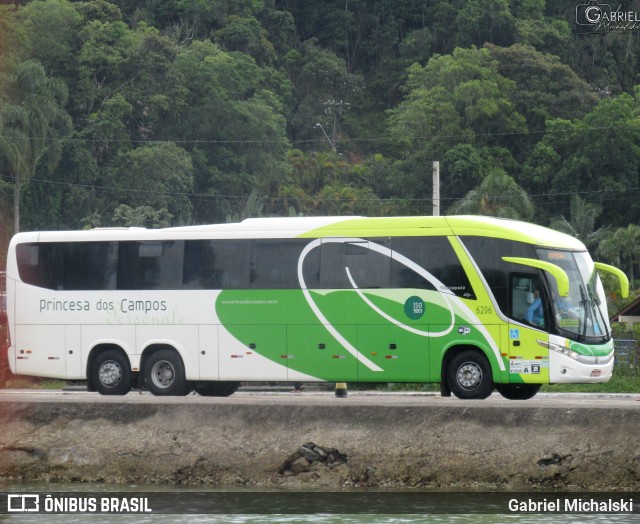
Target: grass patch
34,383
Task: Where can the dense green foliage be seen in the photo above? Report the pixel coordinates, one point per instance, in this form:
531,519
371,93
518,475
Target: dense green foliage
184,111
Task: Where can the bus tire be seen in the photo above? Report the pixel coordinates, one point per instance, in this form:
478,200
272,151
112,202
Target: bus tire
111,374
469,375
518,391
217,389
164,374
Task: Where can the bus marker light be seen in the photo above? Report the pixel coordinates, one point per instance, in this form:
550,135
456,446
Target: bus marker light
338,356
391,356
237,356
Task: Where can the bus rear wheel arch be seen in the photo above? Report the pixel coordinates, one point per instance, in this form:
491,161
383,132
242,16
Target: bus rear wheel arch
110,372
164,374
469,375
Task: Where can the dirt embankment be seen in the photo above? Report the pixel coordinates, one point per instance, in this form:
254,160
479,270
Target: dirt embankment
508,447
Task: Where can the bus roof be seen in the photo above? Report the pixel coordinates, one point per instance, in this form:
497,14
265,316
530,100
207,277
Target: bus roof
314,227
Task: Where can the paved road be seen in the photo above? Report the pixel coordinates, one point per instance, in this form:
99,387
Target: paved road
359,398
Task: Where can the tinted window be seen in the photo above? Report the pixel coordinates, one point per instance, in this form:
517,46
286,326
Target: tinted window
368,268
274,263
488,253
150,265
90,265
216,264
73,265
437,257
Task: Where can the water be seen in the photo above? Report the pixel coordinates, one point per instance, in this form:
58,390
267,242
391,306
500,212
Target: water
180,504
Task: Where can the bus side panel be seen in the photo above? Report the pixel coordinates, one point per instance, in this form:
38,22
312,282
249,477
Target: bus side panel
403,356
40,350
208,352
313,347
73,352
263,357
528,359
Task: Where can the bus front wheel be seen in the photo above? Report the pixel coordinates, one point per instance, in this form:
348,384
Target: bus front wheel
469,375
111,374
164,374
518,391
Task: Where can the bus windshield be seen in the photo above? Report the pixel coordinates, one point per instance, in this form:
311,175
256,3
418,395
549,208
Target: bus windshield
582,315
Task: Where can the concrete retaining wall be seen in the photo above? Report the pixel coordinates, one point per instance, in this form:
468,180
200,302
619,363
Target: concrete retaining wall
511,446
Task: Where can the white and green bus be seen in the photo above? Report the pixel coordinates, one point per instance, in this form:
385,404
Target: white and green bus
471,303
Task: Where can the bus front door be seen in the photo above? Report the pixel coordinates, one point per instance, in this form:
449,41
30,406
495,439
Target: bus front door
526,334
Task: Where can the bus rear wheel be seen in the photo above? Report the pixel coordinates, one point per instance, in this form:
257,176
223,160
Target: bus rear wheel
111,374
217,389
164,374
518,391
469,375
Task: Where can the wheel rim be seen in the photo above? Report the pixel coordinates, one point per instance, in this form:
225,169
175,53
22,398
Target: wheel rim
110,373
163,374
469,375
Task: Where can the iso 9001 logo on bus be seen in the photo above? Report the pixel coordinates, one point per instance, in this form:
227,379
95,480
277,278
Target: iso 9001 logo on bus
414,308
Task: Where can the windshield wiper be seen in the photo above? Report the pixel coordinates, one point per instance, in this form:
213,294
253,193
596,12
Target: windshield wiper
584,303
600,323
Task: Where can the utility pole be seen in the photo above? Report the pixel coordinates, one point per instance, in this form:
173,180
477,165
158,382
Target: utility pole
436,188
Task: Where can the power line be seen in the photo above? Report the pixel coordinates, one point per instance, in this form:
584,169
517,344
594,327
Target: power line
320,140
205,196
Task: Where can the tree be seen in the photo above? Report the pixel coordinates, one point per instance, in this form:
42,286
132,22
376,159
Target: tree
582,222
33,121
481,21
231,123
158,177
623,248
48,32
599,154
454,99
498,195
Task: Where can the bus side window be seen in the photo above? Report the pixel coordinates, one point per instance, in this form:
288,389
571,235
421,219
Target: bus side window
436,256
368,268
150,265
526,299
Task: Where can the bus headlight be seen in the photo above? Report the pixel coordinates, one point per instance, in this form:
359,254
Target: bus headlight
564,351
560,349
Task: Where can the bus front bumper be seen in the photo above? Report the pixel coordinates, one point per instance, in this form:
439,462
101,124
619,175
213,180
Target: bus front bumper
566,370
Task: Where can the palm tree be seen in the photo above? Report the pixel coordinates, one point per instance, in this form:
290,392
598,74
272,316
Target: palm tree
582,222
623,248
32,120
497,195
